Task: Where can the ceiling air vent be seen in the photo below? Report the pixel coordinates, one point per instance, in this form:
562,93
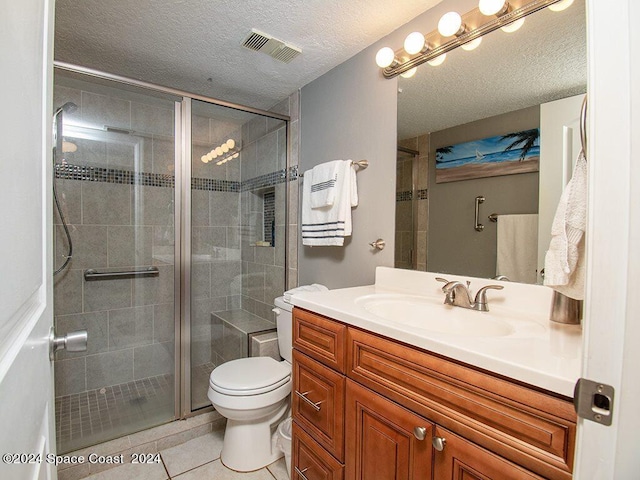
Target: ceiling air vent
261,42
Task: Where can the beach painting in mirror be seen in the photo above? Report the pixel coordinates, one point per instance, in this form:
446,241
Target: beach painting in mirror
517,152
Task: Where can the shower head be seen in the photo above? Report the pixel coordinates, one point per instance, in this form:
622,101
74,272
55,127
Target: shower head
68,107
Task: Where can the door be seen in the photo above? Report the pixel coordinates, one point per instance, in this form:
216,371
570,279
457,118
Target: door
384,441
459,459
559,147
26,389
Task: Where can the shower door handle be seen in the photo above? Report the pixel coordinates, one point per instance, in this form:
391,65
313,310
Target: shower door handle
72,342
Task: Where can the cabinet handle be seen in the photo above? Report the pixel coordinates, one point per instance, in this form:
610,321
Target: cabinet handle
419,432
303,396
301,472
438,443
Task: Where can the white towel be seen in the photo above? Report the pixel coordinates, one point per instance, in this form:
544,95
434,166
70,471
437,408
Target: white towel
323,180
314,287
517,247
564,263
330,224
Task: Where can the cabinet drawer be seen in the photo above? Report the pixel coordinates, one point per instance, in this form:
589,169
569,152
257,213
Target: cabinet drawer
320,338
311,459
531,428
318,402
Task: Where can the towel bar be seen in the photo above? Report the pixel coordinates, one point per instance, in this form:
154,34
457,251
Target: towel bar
361,164
91,274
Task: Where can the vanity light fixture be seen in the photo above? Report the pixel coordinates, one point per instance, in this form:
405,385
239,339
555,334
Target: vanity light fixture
562,5
512,27
228,148
455,30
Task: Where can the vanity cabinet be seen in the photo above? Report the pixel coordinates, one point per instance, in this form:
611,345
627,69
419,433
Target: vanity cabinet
397,398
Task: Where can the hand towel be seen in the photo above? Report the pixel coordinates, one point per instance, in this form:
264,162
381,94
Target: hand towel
564,263
327,226
323,180
314,287
517,247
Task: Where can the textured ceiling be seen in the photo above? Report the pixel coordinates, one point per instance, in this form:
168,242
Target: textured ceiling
543,61
194,45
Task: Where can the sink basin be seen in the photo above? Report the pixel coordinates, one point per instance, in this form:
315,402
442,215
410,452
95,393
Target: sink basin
432,315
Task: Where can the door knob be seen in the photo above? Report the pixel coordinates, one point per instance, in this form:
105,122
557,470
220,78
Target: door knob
438,443
72,342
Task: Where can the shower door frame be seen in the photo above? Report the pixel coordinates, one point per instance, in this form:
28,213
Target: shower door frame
182,219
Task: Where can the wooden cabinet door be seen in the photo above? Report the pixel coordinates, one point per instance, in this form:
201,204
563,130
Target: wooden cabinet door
381,443
463,460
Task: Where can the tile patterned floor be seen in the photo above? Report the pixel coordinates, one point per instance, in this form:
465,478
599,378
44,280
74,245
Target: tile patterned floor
99,415
197,459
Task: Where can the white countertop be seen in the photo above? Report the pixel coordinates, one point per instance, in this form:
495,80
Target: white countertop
538,352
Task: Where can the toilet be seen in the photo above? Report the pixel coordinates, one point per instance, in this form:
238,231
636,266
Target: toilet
253,394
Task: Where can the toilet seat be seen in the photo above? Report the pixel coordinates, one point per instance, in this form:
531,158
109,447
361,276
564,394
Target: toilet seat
249,376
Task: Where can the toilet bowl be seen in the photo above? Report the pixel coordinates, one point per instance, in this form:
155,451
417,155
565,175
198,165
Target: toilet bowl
253,394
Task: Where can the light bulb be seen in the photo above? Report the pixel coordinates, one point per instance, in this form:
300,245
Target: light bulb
450,24
204,159
558,7
414,43
472,45
219,151
225,147
512,27
231,143
236,155
438,60
219,163
492,7
385,57
211,155
409,73
69,147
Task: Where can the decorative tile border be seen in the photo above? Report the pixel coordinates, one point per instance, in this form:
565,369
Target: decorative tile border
407,195
128,177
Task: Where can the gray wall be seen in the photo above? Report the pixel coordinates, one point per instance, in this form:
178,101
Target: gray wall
453,244
350,113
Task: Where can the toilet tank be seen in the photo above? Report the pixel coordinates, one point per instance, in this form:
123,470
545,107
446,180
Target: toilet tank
284,324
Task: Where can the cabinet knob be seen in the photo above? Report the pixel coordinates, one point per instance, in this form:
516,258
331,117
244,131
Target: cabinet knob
419,432
438,443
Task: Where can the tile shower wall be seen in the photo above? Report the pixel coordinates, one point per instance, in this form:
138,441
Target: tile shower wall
117,196
404,229
265,154
119,219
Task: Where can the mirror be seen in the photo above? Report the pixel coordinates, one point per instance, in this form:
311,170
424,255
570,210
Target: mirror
510,85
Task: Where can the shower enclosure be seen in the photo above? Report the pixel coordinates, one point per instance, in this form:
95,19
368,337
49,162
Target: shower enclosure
176,209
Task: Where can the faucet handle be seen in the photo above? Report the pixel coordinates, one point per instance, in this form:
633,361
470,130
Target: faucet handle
443,280
481,297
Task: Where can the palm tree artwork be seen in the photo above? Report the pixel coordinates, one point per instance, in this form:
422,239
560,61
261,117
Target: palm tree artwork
511,153
527,138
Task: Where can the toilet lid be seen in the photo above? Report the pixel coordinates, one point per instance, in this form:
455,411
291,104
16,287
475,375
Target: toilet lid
249,376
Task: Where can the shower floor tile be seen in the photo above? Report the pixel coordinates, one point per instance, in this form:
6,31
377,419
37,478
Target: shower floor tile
95,416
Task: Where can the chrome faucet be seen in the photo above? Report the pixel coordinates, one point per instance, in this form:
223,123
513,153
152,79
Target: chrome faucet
458,294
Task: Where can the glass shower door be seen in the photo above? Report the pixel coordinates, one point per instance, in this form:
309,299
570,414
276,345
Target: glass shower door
115,185
237,230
